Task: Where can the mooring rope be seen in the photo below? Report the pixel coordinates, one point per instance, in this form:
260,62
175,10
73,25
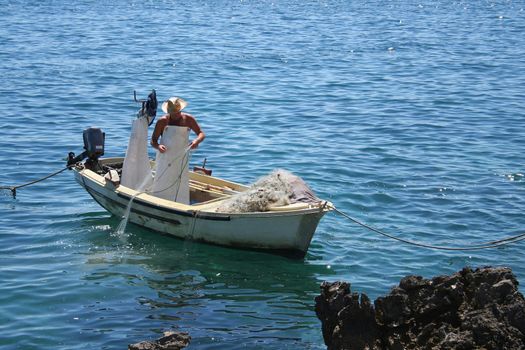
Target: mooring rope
485,245
14,188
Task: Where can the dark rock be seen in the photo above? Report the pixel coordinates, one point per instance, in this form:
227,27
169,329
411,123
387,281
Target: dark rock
170,341
471,309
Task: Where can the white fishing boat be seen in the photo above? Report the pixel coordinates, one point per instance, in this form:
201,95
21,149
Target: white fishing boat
288,229
164,196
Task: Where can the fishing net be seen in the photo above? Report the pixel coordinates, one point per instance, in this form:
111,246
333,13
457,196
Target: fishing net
279,188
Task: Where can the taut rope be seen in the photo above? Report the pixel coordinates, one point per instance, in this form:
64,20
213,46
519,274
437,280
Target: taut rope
485,245
14,188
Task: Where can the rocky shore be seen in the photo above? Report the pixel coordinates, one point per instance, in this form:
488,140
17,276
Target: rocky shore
471,309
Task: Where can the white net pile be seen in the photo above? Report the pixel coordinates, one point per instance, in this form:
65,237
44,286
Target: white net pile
278,188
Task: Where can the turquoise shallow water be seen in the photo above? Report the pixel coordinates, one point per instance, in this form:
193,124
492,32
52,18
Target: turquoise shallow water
407,115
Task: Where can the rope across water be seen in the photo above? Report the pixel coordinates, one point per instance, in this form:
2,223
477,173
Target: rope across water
14,188
484,245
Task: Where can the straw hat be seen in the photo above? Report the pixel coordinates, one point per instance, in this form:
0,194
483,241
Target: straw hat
174,104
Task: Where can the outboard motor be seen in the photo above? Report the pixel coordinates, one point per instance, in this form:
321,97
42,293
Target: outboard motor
94,142
94,148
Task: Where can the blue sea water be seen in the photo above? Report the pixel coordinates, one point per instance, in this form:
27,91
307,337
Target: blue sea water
407,115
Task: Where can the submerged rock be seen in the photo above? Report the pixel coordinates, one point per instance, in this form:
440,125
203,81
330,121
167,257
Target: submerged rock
170,341
471,309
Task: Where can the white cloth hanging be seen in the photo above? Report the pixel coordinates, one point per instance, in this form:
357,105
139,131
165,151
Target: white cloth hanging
171,175
136,170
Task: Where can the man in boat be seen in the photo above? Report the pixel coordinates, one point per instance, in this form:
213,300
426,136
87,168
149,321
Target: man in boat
175,117
172,181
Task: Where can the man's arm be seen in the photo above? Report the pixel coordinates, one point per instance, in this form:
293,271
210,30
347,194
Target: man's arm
159,128
197,130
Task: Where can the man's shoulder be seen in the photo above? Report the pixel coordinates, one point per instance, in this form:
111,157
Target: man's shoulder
189,118
161,122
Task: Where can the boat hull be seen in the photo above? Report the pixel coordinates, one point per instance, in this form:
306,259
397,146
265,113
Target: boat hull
286,232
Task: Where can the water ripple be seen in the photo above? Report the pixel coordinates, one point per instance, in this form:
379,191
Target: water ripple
407,116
